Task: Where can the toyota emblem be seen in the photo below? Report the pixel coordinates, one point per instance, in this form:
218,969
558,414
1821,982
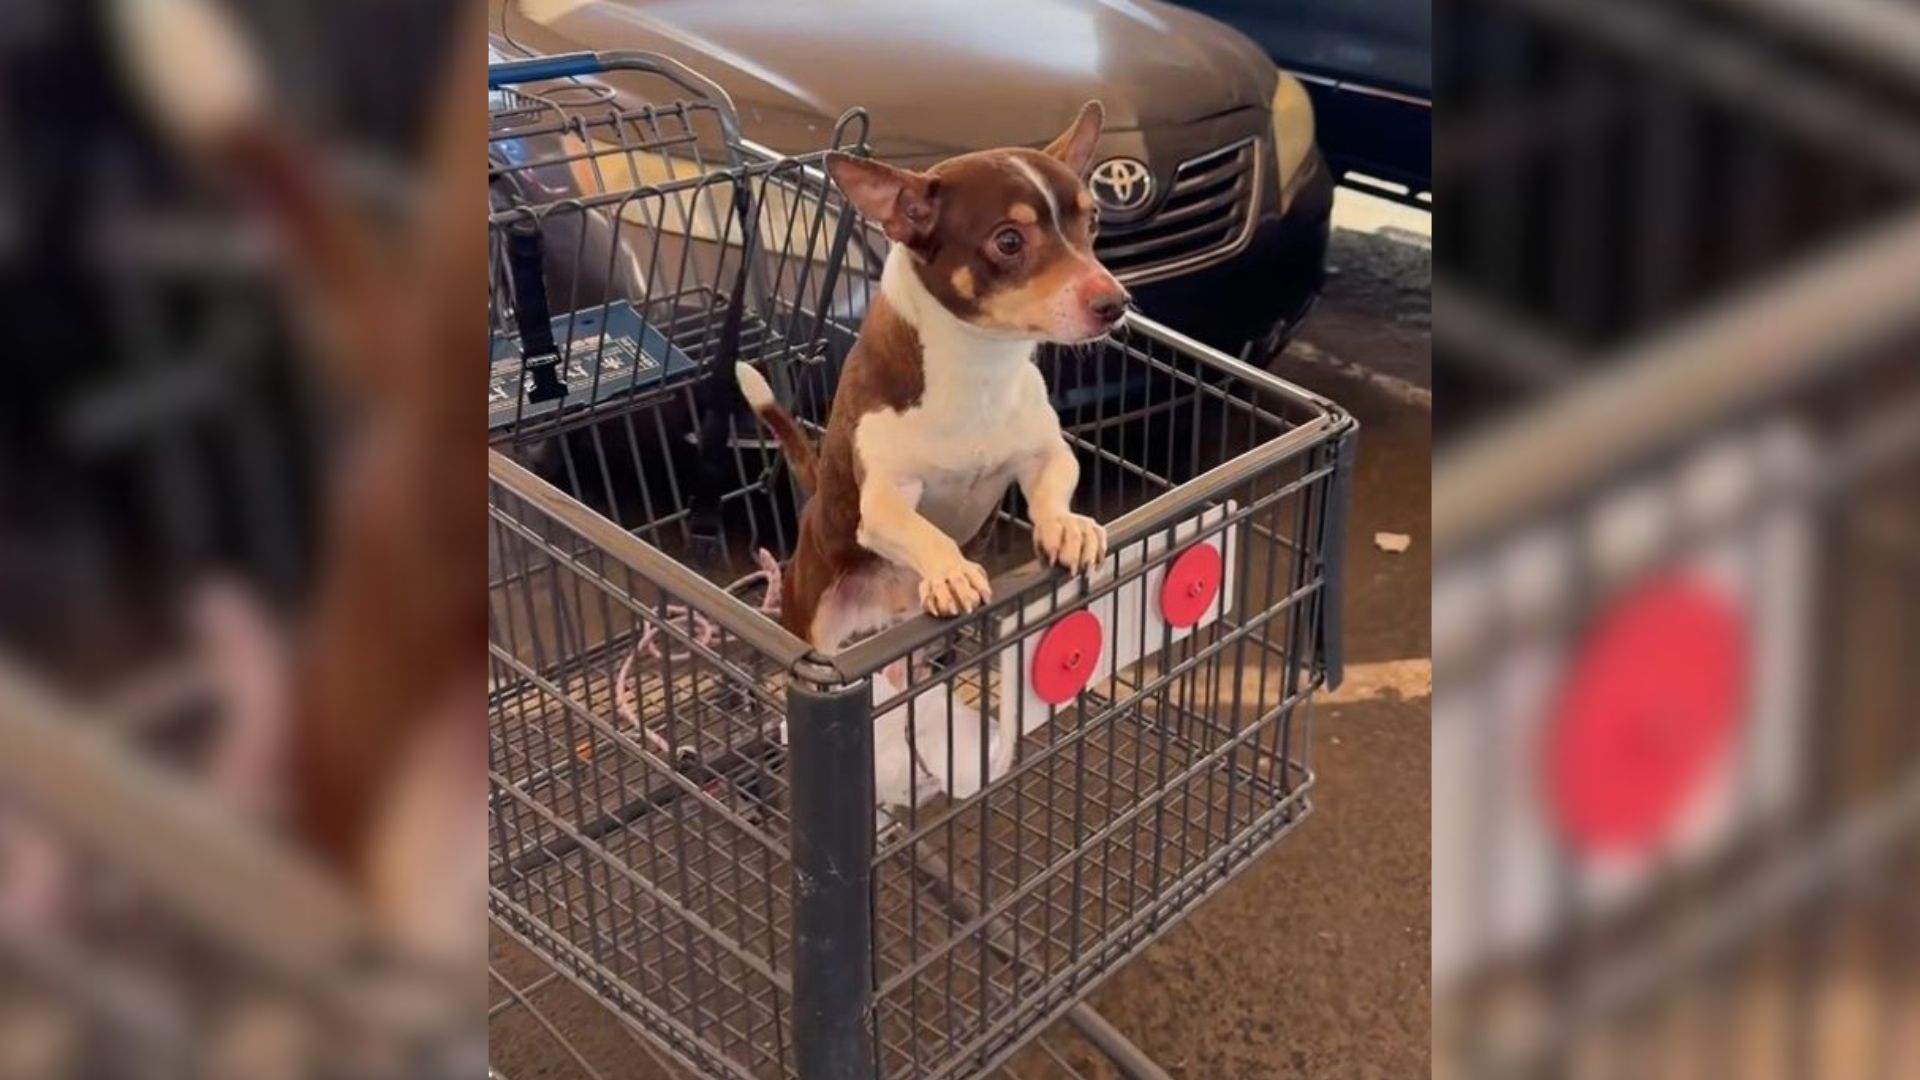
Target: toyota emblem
1121,184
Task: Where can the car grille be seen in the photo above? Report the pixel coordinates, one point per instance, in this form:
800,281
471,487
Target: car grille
1206,212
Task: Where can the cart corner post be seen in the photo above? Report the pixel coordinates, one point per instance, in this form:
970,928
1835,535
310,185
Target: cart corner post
829,730
1333,549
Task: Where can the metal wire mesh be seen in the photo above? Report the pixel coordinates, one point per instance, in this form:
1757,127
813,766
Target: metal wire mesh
171,440
541,1023
642,805
1664,211
194,945
1608,169
654,843
1124,806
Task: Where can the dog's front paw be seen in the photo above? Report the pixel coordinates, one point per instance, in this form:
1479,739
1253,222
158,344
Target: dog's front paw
1073,541
956,590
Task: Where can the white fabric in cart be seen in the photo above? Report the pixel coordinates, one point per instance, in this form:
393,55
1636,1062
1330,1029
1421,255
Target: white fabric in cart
944,753
946,756
912,771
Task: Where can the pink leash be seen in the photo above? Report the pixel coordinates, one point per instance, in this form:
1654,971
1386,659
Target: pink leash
692,623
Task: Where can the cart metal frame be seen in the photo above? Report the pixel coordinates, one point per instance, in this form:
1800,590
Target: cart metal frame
891,861
1678,237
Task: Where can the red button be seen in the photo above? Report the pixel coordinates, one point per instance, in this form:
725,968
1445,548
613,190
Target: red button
1653,702
1192,583
1065,657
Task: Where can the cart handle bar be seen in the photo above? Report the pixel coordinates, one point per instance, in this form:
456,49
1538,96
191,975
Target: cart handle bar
577,64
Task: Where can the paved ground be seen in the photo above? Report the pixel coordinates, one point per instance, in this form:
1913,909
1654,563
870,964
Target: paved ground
1314,963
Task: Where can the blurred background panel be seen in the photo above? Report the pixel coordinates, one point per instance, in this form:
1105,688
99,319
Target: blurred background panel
166,441
1676,755
1233,224
156,423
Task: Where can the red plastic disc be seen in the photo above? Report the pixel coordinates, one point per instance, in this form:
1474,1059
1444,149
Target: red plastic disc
1065,657
1192,583
1654,699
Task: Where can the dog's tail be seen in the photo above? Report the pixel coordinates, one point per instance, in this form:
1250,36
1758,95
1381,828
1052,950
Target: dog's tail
793,441
368,683
204,84
200,77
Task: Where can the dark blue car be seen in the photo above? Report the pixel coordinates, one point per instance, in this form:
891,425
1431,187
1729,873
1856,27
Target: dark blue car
1367,65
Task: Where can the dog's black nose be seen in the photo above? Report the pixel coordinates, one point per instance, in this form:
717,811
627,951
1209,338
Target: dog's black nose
1109,307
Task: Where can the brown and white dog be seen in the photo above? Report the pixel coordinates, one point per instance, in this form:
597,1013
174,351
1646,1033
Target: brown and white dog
940,405
382,709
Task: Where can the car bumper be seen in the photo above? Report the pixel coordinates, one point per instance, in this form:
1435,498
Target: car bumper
1259,294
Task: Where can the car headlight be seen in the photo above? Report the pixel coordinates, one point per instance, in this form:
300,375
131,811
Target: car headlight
1292,132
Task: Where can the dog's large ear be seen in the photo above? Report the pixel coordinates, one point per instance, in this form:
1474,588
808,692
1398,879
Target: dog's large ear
1075,145
898,200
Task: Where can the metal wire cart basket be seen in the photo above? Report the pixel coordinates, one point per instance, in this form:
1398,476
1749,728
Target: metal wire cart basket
905,859
1676,764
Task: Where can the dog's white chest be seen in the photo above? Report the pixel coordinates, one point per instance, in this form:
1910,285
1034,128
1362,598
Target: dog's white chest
962,452
958,497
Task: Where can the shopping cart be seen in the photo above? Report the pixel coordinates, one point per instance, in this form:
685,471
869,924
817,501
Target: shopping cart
907,858
1676,763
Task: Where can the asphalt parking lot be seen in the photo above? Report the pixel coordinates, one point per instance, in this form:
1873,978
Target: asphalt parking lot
1314,962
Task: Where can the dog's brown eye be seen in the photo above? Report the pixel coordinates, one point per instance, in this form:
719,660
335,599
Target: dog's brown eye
1008,242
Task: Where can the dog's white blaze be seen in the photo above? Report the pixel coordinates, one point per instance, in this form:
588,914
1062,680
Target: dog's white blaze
1064,308
194,66
1040,183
